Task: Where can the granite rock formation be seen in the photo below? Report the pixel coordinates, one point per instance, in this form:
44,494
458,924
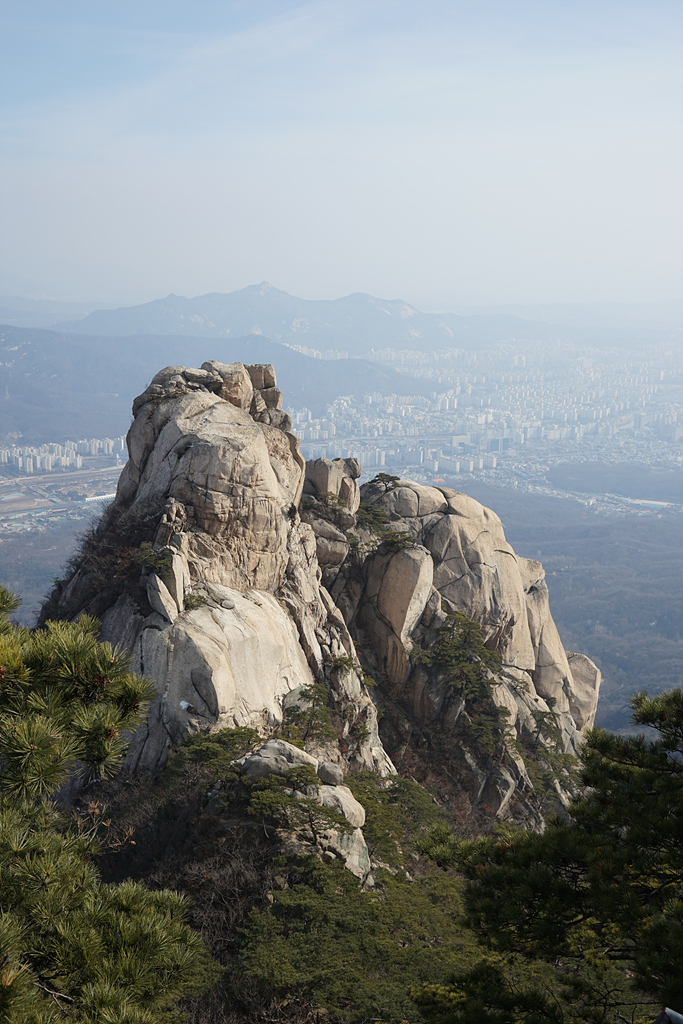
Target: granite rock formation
231,620
452,556
238,576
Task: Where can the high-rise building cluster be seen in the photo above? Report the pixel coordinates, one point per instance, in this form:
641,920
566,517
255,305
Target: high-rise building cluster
48,458
490,407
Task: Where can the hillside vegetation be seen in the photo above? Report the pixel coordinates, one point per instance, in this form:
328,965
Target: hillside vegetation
573,926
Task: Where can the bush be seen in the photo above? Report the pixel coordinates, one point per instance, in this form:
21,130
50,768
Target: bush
152,561
598,897
309,720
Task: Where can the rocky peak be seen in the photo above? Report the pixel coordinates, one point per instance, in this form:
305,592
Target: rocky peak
239,577
429,552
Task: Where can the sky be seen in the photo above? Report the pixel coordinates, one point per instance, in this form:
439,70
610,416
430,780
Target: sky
446,152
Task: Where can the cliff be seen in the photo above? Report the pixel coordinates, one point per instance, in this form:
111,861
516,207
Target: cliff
239,577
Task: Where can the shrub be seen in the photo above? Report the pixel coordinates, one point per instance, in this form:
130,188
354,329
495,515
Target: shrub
309,720
152,561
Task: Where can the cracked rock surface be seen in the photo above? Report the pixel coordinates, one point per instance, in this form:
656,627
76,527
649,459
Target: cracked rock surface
456,558
233,618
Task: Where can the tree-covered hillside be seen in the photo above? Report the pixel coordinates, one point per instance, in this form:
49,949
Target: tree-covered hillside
72,947
580,925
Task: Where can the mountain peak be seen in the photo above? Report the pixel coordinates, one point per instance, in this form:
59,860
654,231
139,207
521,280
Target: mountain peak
265,576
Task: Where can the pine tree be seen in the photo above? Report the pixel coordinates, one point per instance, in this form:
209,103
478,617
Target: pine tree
600,896
72,948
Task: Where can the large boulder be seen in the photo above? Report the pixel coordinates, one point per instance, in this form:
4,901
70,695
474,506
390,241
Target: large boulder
277,757
223,607
338,477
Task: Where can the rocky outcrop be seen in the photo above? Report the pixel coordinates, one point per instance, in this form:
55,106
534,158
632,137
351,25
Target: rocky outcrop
331,843
228,614
338,478
439,552
277,758
238,577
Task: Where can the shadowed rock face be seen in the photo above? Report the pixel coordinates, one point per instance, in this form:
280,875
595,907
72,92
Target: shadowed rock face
460,561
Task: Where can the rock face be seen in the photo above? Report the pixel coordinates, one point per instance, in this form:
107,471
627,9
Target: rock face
233,619
277,757
238,577
456,558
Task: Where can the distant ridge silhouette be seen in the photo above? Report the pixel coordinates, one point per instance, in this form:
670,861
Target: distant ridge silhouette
355,323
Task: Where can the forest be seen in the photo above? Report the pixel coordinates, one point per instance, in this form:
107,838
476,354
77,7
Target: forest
194,893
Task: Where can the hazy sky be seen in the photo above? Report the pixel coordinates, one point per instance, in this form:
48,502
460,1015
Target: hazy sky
462,151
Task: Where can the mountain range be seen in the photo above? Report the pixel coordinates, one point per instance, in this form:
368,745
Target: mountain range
355,323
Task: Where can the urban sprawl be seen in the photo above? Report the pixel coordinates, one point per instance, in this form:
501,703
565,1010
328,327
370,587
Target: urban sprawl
505,415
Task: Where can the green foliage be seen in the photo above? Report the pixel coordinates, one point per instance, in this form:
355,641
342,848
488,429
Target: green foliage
328,506
345,663
324,940
309,720
76,949
385,480
461,652
207,758
64,701
332,500
546,761
398,813
396,540
9,603
374,517
471,668
192,601
602,894
111,553
299,938
152,561
71,947
493,992
289,802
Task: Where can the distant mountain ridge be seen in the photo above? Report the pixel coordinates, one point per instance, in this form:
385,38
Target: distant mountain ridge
59,385
22,312
355,323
